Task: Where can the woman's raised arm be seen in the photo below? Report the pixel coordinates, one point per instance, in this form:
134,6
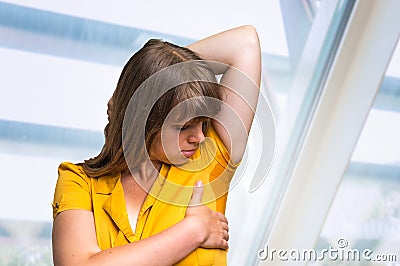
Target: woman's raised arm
239,51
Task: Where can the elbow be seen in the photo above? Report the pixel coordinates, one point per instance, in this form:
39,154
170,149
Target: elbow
251,37
248,47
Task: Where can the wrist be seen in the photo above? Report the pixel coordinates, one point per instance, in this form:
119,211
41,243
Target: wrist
196,230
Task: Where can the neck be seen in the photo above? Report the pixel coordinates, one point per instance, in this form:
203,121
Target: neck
149,170
146,173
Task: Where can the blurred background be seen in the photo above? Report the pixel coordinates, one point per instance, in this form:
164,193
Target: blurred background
60,62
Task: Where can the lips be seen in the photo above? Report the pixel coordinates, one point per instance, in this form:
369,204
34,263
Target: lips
188,153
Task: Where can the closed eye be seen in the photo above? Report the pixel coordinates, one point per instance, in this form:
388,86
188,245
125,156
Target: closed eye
181,128
188,125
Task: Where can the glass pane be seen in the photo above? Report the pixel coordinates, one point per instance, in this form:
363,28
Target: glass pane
282,58
305,77
366,212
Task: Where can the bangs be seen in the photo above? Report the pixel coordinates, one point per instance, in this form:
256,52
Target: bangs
198,96
195,100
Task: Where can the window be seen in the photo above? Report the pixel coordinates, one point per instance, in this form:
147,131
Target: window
257,207
347,94
366,209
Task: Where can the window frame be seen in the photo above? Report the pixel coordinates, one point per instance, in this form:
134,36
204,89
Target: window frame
349,91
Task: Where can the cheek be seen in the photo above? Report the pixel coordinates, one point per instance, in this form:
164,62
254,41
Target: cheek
181,139
170,141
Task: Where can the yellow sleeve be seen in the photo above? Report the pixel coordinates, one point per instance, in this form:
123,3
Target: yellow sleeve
72,189
222,156
221,173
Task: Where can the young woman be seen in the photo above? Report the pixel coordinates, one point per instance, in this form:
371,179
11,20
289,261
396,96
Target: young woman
135,204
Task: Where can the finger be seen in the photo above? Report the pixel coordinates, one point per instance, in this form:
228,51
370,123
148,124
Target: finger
226,235
222,217
225,244
225,226
197,194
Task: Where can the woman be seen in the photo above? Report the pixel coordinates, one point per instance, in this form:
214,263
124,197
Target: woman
134,204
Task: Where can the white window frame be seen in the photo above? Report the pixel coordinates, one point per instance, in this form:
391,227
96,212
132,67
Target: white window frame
250,209
348,94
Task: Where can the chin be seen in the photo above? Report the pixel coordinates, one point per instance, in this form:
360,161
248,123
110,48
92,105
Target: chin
179,161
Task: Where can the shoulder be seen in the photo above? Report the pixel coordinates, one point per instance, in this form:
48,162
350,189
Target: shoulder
71,167
72,190
216,140
71,171
223,155
72,180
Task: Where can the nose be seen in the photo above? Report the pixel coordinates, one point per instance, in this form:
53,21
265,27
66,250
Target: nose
196,134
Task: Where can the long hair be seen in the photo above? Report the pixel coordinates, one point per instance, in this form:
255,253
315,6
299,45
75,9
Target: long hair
153,57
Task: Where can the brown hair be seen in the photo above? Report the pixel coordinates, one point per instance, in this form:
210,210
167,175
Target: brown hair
154,56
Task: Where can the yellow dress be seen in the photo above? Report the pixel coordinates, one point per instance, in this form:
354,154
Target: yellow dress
163,207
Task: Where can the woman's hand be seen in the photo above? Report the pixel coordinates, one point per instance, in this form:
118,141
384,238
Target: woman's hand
212,225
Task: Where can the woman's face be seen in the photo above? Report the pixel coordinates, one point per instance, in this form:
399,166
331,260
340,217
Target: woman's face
177,142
